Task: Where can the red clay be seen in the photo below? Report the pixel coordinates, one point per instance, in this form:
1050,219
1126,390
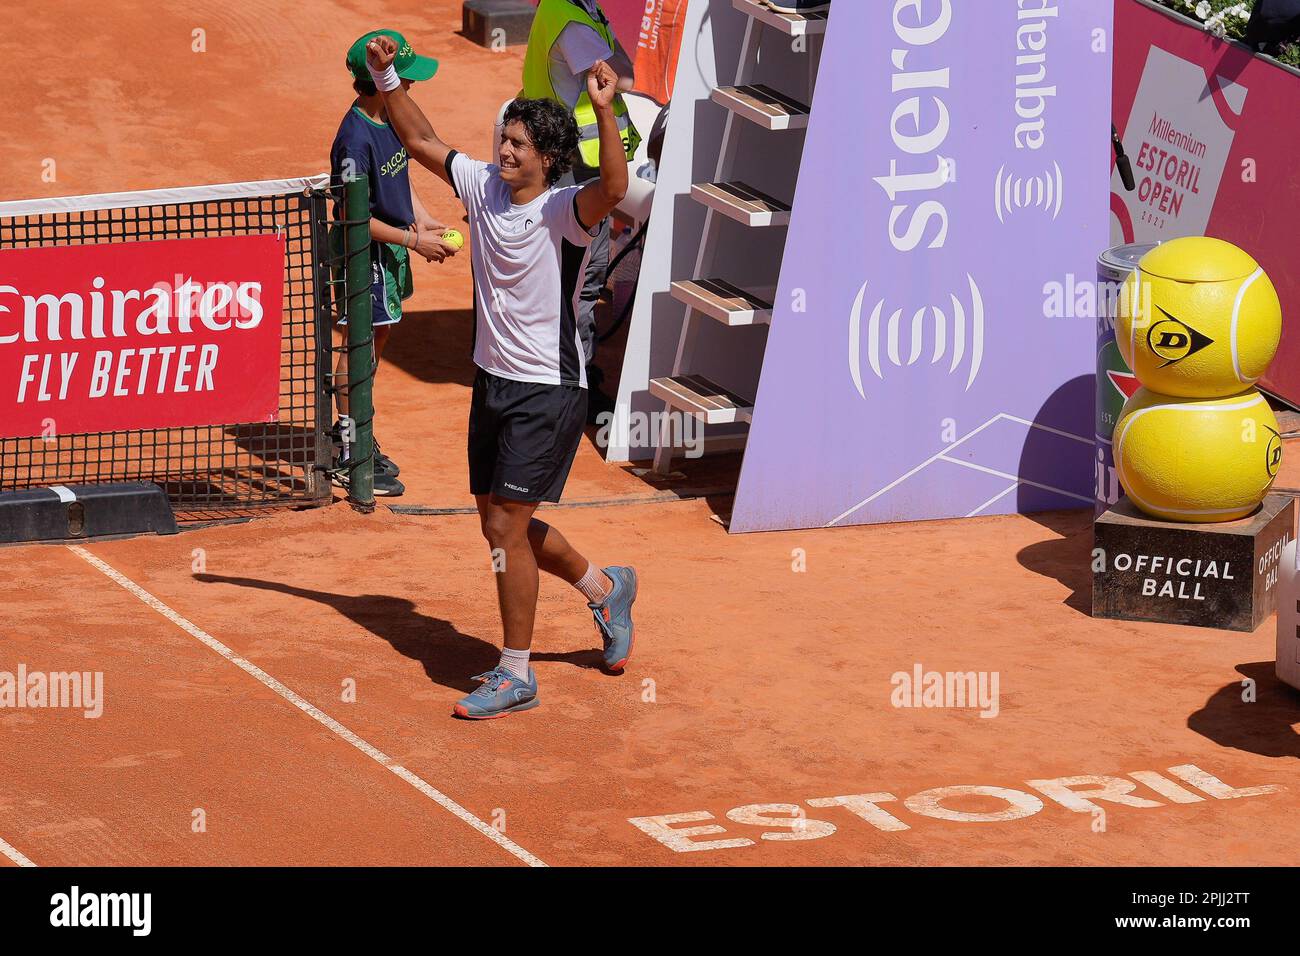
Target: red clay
755,683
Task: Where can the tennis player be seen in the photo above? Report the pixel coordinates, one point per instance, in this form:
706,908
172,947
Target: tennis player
530,242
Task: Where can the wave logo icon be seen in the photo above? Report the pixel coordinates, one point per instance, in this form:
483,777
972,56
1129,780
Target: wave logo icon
1045,192
957,335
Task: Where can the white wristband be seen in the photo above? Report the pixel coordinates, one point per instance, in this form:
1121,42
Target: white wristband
387,81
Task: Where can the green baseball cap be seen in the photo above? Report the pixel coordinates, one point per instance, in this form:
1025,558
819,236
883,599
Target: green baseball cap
409,66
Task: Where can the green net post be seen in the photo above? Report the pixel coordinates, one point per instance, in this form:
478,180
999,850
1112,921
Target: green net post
361,349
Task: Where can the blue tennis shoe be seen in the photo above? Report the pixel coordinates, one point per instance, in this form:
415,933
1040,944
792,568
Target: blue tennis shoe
500,694
614,617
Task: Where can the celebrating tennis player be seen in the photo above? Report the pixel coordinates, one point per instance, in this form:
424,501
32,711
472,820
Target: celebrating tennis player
529,252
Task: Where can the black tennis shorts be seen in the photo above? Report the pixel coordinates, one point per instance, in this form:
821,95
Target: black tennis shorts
523,437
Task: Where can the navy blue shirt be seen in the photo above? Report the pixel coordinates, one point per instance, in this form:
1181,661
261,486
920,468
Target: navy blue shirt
372,149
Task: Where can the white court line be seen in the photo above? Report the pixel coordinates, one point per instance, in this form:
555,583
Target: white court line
310,709
902,478
1022,481
1046,428
14,855
1001,494
1000,416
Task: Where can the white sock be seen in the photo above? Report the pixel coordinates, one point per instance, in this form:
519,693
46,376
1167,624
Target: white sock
595,584
516,662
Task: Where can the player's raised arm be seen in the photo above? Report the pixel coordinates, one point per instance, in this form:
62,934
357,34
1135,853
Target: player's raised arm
408,120
598,198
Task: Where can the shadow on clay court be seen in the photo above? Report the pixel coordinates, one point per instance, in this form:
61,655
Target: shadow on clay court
1264,726
449,657
434,346
1067,558
276,441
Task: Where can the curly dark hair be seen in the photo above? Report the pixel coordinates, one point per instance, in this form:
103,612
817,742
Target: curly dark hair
552,130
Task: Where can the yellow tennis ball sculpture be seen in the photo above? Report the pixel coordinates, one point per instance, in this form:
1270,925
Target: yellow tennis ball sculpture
1197,460
1198,318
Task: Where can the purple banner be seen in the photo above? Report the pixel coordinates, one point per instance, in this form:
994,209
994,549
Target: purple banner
931,353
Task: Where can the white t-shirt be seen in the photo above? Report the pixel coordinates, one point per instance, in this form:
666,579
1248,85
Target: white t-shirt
578,49
528,263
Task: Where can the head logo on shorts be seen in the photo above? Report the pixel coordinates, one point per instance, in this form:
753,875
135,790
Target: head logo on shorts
1273,452
1173,340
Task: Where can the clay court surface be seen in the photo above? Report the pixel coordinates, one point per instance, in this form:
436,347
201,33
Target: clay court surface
752,683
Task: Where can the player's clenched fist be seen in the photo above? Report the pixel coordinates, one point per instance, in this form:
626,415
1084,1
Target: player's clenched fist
380,53
602,84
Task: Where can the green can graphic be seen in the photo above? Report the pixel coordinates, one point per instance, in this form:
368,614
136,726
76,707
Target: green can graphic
1115,380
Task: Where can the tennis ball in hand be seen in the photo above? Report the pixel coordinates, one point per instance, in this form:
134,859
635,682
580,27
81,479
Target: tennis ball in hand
453,238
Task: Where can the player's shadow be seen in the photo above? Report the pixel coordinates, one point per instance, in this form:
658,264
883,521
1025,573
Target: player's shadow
1263,726
449,656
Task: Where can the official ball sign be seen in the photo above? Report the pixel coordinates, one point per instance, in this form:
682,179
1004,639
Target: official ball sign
1221,575
140,335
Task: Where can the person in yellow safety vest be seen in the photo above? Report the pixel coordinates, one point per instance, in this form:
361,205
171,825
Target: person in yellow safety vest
568,38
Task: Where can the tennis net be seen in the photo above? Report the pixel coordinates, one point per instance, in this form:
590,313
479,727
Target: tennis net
207,470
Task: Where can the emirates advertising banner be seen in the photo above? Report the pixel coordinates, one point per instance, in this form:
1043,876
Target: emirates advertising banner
1211,132
928,357
140,335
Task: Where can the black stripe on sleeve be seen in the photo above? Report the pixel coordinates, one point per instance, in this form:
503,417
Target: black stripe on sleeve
578,216
451,156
